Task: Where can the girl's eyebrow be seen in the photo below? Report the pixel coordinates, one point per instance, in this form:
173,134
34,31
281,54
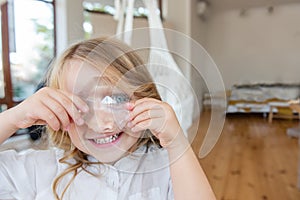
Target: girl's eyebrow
87,85
92,82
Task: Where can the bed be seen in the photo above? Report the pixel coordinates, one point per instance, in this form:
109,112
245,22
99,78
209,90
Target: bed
269,99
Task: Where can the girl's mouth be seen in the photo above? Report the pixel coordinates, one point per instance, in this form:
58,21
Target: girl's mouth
106,140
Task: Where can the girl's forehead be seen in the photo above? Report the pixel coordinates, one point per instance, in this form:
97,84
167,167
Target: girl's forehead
77,73
79,76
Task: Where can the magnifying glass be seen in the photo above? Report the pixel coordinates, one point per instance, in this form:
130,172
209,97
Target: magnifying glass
114,105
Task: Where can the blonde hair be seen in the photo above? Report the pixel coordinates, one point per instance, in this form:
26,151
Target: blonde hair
118,58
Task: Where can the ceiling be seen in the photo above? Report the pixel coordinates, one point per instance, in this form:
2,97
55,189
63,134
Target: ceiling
218,4
138,3
226,4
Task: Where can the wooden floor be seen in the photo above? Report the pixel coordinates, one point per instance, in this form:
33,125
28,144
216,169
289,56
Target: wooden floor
252,160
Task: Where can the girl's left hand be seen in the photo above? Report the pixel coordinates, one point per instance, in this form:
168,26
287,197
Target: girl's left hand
159,118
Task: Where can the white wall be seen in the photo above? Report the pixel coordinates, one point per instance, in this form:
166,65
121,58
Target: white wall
198,32
179,15
257,47
198,25
69,23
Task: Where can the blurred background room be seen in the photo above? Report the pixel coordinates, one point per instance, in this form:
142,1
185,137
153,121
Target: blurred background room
254,44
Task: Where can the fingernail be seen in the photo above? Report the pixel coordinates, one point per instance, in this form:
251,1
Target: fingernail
67,128
85,108
130,118
80,121
129,124
57,128
130,105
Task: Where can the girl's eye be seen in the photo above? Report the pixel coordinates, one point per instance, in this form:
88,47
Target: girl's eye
113,99
120,98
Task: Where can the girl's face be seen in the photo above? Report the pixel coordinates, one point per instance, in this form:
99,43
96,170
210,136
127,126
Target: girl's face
104,135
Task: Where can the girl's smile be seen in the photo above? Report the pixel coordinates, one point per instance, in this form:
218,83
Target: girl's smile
106,141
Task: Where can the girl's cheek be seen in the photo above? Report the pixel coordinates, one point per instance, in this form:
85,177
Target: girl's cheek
133,134
74,136
74,133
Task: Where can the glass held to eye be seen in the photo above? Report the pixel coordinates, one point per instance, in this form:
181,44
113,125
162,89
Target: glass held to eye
112,105
114,100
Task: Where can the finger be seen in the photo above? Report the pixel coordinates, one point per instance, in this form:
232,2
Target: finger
142,125
52,121
58,110
155,125
46,115
40,122
68,105
143,106
130,105
146,100
148,114
79,103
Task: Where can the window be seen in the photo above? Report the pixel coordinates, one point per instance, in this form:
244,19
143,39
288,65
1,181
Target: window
28,46
108,7
1,67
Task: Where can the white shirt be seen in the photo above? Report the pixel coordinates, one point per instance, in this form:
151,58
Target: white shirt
142,176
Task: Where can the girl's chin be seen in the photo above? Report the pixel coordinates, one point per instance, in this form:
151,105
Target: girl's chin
109,158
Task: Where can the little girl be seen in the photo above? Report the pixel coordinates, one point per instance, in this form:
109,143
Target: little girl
113,137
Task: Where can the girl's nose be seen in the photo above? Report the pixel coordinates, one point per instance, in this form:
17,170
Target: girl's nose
101,122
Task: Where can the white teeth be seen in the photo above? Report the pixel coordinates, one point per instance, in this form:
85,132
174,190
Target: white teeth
106,139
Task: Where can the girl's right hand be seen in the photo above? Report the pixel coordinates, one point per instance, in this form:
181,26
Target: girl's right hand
53,107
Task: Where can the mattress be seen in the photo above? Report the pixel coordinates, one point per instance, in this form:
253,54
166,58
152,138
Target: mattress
261,97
